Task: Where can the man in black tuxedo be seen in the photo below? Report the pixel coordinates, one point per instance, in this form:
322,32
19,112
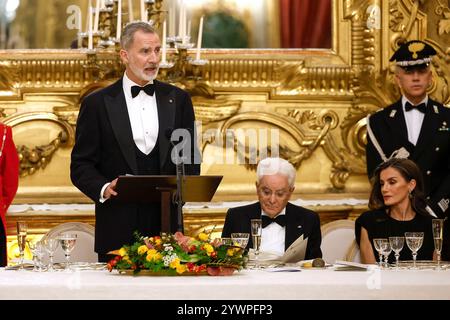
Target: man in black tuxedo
283,222
418,126
125,129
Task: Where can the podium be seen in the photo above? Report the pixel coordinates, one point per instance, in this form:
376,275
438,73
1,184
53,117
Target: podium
154,189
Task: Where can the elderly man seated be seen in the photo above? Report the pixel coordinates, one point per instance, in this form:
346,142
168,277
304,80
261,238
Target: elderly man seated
283,222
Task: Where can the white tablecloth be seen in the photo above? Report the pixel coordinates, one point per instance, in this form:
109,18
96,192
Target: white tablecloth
247,284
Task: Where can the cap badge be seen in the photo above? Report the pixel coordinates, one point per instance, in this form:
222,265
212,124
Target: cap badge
415,47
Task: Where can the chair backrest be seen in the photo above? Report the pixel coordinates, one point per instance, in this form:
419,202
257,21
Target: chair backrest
84,247
338,241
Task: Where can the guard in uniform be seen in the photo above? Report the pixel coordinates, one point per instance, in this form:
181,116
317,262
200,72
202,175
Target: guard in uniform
415,127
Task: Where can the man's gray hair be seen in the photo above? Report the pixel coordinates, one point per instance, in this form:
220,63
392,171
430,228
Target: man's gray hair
127,36
270,166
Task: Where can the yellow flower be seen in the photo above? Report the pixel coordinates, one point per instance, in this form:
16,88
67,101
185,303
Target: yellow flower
181,268
230,252
203,236
127,259
153,255
158,242
175,263
208,248
122,252
142,249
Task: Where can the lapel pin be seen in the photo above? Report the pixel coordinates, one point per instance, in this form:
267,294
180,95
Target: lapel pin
393,112
436,110
443,126
170,100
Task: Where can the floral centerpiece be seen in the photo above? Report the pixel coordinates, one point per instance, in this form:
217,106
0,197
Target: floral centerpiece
177,254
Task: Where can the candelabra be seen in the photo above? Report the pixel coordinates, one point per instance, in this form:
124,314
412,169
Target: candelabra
178,67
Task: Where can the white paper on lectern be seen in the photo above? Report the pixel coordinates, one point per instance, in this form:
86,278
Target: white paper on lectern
296,251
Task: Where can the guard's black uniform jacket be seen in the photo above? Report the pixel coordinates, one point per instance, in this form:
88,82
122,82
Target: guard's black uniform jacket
431,153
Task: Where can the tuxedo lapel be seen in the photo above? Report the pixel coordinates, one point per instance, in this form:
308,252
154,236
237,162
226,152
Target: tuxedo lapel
117,111
294,226
166,105
428,130
397,123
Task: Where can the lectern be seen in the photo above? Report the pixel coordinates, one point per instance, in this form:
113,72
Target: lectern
147,189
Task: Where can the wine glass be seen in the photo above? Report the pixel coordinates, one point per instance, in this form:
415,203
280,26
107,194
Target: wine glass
256,227
397,244
50,245
240,239
378,243
37,248
22,230
414,242
438,227
386,252
67,241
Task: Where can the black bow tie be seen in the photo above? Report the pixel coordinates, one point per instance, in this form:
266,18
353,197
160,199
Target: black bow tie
148,89
420,107
280,219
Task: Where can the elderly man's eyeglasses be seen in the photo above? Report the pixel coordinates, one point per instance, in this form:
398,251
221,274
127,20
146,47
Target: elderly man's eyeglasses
267,193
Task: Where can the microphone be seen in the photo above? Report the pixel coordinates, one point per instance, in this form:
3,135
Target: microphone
179,166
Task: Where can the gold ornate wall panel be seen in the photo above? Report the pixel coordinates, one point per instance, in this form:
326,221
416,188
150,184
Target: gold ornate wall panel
307,105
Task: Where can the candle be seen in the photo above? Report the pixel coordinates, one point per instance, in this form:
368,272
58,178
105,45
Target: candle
119,20
188,33
90,39
199,39
172,21
87,15
143,11
180,21
80,39
130,10
97,11
164,43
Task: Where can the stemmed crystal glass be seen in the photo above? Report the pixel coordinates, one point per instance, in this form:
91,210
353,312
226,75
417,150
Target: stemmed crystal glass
414,242
386,252
22,230
397,244
438,230
50,245
379,244
67,241
240,239
256,227
37,248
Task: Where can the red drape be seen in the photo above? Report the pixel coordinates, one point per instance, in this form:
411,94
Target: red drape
305,23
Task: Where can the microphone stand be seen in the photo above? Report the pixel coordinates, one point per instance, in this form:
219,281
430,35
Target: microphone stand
178,196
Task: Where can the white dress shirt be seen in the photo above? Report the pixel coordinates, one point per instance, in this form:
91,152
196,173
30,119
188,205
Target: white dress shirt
273,236
143,114
414,120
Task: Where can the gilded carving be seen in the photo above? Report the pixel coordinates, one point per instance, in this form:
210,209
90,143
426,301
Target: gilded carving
444,11
38,157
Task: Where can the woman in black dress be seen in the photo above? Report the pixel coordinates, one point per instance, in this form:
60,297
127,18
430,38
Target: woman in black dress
397,206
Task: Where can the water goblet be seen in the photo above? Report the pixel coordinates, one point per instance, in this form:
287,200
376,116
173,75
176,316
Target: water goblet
37,248
50,245
67,241
414,242
397,244
256,228
240,239
438,231
386,252
378,243
22,230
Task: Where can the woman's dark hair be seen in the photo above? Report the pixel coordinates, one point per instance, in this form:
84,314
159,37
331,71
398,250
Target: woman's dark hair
408,170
